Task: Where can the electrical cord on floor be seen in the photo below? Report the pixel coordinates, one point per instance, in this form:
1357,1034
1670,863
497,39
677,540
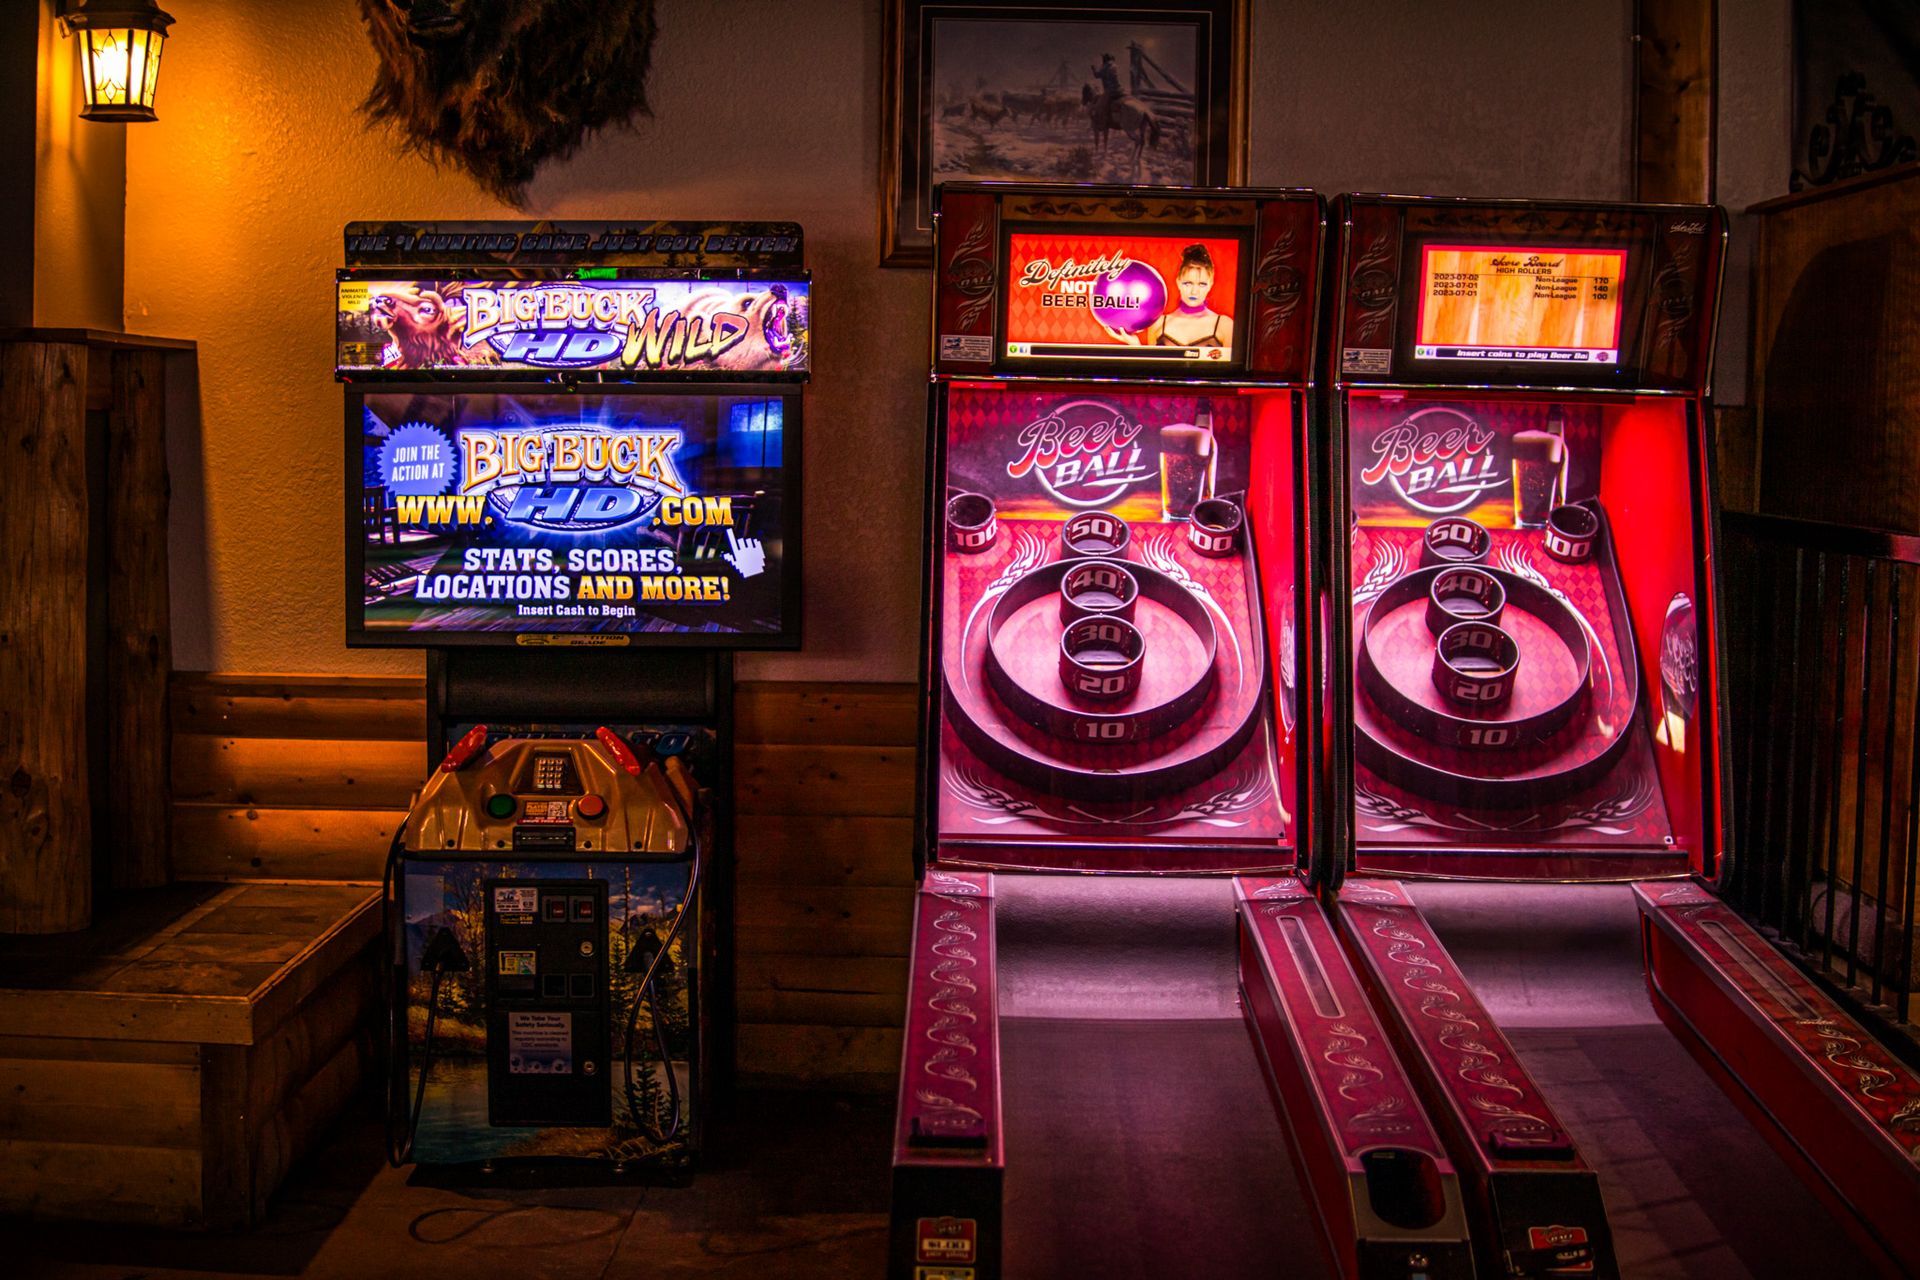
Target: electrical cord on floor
647,992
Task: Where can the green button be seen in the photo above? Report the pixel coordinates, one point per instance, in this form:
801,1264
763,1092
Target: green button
500,806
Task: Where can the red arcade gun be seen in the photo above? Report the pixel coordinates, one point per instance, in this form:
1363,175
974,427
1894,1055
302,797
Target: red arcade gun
1113,659
1526,689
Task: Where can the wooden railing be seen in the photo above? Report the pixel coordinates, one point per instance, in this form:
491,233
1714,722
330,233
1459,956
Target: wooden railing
305,777
1821,655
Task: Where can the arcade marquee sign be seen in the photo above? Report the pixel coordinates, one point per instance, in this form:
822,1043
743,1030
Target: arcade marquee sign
619,326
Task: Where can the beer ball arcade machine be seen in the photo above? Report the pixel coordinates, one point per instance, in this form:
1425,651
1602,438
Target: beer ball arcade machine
1525,687
1141,527
1115,575
572,453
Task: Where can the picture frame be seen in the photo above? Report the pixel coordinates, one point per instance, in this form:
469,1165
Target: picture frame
1019,90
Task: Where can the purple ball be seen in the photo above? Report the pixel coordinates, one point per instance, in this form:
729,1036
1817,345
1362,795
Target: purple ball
1130,300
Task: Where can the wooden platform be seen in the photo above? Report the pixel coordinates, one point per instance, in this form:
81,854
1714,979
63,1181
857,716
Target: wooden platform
305,778
170,1063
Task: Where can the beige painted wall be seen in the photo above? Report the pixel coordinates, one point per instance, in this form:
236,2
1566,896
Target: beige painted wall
764,108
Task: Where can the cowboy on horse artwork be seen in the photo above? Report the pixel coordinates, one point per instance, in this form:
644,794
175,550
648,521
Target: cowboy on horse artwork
1109,77
1040,100
1115,109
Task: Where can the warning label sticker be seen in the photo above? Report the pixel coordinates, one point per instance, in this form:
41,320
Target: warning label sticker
540,1044
517,964
1366,360
515,900
966,347
545,812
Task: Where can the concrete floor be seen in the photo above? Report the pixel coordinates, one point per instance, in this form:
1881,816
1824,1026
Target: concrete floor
797,1189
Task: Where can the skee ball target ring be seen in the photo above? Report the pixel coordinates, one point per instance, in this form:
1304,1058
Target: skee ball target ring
1474,664
1464,593
972,523
1393,686
1570,534
1101,657
1096,535
1103,587
1454,540
1214,527
1081,719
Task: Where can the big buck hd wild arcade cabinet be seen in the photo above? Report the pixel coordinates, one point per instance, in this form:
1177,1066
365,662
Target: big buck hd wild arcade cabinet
572,460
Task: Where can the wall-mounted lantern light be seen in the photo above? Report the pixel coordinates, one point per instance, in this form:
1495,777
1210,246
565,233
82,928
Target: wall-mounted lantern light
120,42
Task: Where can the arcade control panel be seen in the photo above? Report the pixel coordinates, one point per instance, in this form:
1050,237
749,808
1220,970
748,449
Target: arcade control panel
548,1016
553,796
564,843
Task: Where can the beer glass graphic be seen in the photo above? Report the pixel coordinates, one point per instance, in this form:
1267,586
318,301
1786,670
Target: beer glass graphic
1188,464
1539,476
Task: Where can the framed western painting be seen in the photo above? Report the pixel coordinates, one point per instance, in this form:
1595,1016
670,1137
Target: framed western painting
1151,93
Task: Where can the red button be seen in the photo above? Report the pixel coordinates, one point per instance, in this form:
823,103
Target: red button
590,806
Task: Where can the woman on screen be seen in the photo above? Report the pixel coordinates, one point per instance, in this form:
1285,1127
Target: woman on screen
1192,322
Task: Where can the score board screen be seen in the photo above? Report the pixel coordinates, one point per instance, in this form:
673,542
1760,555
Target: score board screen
1153,299
1510,303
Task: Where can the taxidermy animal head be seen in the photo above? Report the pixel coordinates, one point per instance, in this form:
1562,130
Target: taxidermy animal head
500,86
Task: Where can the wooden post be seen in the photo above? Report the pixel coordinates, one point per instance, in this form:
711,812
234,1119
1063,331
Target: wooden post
139,650
46,874
1675,97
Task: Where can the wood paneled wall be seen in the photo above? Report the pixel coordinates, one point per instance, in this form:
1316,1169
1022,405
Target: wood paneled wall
305,778
1836,352
1675,95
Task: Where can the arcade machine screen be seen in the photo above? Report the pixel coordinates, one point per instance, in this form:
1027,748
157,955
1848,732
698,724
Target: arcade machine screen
1526,551
1165,303
651,516
1109,558
1540,306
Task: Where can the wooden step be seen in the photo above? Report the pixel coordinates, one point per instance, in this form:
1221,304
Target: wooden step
169,1063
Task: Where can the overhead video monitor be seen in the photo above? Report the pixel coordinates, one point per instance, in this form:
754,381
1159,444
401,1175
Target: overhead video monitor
1172,301
1519,304
537,517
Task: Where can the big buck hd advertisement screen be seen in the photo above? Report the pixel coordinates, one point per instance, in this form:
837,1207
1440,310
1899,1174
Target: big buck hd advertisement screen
493,517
